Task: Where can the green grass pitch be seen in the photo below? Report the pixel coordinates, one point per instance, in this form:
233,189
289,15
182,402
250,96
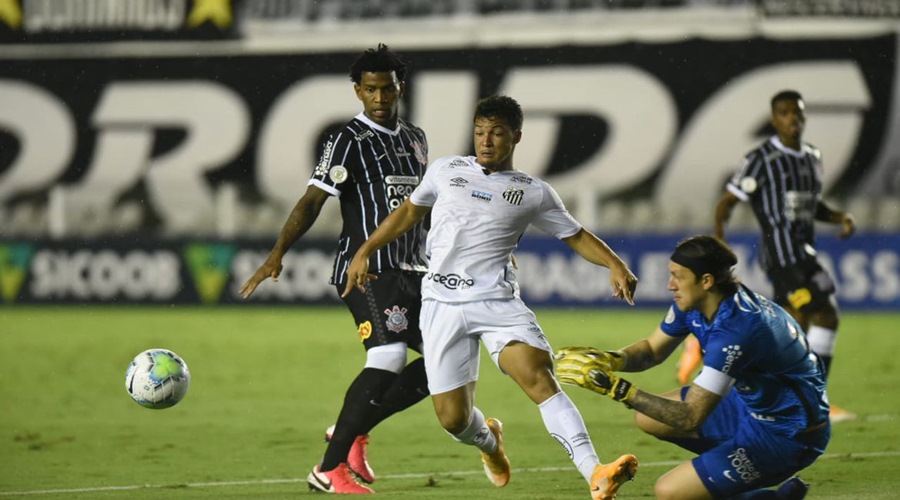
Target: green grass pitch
268,381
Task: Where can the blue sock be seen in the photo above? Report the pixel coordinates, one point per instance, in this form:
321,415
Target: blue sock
758,495
792,489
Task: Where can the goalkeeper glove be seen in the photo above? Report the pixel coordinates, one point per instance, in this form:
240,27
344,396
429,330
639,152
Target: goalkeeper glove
587,371
614,361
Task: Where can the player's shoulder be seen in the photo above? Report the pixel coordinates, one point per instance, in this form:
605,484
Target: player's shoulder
812,151
411,127
740,312
519,177
452,162
761,151
353,131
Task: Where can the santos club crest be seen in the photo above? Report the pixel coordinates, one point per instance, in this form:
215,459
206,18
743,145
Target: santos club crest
513,195
397,321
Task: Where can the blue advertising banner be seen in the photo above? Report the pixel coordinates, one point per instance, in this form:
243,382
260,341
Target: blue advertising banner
866,269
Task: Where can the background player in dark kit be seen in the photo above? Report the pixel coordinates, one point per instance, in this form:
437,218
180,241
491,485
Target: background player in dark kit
782,181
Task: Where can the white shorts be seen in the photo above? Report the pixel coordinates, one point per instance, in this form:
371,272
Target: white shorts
450,332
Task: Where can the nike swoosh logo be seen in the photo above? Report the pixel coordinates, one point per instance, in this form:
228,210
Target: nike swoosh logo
727,475
695,324
378,158
323,484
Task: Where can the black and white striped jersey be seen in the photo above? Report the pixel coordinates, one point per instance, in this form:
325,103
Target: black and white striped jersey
784,187
373,170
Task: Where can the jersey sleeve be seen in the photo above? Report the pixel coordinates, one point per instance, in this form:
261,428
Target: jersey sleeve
728,352
552,217
675,323
818,169
333,169
426,193
745,180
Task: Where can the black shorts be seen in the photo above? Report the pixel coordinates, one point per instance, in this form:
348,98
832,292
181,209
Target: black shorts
388,311
805,287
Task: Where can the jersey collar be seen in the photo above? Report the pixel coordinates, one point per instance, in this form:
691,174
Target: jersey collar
365,119
786,150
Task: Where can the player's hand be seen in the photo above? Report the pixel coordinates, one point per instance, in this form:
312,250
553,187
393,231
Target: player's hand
623,283
585,371
611,360
271,268
358,275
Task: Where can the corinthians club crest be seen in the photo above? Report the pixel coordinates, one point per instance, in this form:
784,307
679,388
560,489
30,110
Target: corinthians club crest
396,321
419,152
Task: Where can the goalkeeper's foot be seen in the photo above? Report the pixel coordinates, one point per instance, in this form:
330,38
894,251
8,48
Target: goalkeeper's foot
793,489
356,459
338,480
690,360
496,464
838,414
608,478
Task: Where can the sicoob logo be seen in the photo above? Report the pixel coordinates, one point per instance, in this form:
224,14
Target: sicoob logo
451,281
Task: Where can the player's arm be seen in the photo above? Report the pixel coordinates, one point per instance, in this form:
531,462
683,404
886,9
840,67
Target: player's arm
723,212
596,251
636,357
595,373
685,416
392,227
826,213
649,352
301,218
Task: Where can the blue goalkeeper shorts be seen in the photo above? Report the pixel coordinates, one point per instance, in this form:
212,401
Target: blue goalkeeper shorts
746,454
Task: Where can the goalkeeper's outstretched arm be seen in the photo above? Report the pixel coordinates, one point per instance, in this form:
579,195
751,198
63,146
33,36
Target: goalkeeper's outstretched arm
595,370
649,352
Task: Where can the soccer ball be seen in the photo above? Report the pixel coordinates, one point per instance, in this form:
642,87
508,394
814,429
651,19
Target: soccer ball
157,378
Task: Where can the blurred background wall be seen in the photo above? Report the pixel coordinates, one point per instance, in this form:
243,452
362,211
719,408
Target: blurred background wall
150,150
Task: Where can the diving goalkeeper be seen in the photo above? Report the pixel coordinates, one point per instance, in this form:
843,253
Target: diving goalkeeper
756,414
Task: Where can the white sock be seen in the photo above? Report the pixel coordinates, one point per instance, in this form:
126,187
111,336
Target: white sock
564,423
821,340
477,433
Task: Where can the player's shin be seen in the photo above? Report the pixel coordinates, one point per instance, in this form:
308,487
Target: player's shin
410,387
361,403
565,424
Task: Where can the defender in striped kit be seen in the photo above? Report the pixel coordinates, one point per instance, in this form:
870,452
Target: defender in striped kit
371,165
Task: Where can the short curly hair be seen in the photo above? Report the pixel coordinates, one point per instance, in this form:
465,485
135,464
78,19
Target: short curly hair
502,107
785,95
382,59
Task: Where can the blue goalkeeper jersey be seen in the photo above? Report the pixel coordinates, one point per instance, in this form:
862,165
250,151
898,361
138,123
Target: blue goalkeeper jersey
762,347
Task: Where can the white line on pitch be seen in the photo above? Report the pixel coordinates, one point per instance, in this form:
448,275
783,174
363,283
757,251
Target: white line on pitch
667,463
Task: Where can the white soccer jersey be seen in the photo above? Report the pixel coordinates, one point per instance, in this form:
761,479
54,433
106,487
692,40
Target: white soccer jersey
476,223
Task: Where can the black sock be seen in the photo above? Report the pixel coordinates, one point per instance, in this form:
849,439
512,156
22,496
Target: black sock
410,387
361,403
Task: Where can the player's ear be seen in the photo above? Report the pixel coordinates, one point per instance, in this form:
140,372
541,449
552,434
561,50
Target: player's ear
357,89
517,136
708,281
